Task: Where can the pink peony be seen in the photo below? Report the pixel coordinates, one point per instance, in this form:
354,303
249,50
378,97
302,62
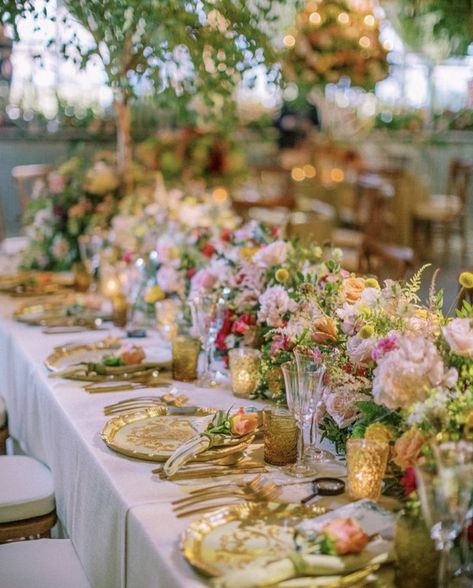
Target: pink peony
275,302
341,406
459,336
203,280
273,254
169,280
360,350
403,376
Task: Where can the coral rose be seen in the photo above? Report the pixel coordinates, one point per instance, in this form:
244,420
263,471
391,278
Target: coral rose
325,330
408,447
243,423
133,355
352,289
347,534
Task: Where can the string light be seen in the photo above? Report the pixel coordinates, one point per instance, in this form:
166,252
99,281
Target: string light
298,174
365,42
343,18
220,195
337,175
309,171
315,18
289,41
388,45
369,20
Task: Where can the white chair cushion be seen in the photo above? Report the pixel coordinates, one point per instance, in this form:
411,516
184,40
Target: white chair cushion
438,208
346,238
43,563
3,413
26,488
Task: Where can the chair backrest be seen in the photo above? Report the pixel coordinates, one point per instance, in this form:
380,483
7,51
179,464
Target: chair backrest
384,260
29,181
459,177
372,196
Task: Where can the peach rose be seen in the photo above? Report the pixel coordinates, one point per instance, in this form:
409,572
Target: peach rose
133,355
408,447
325,330
352,289
243,423
349,537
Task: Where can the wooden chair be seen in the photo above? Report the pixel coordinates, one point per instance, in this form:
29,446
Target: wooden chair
27,508
385,261
448,212
268,187
29,180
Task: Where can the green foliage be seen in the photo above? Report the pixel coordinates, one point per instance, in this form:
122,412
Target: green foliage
466,311
411,287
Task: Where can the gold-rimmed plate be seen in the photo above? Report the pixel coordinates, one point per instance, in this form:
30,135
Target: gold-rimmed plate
154,434
232,537
65,357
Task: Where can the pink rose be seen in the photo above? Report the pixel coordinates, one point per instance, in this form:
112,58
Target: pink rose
349,537
342,408
56,182
203,280
459,336
243,423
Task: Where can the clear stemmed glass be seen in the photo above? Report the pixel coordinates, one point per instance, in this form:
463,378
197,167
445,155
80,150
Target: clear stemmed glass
301,385
90,248
459,453
207,320
445,494
314,453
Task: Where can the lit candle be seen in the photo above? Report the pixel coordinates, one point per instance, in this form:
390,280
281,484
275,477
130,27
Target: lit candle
366,464
119,310
244,370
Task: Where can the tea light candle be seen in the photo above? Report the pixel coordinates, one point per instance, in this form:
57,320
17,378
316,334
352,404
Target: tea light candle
366,464
167,315
111,287
244,371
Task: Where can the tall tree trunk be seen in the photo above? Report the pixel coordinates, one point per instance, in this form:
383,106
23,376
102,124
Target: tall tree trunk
124,144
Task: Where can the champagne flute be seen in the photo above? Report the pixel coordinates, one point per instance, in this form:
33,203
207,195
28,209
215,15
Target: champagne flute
90,248
207,319
314,453
301,385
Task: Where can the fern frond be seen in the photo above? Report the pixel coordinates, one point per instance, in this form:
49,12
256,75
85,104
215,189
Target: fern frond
411,287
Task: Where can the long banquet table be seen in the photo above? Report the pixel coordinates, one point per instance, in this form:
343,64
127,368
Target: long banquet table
115,511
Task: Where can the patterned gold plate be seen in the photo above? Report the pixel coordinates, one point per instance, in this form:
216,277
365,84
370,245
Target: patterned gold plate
232,537
153,434
63,357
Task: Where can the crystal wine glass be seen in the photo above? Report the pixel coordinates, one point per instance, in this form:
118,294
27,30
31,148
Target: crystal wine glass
301,386
314,453
445,494
90,248
207,320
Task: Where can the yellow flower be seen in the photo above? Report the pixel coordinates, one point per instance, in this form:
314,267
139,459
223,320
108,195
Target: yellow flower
379,432
372,283
466,279
366,331
140,231
154,294
248,252
282,275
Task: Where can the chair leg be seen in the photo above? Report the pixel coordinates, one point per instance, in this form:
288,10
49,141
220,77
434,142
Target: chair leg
446,240
3,440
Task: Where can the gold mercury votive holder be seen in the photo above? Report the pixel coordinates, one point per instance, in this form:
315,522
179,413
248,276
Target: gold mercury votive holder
119,310
244,371
167,314
280,437
366,466
185,357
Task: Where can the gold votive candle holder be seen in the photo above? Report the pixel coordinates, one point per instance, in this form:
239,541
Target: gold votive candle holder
244,371
280,437
167,315
185,357
119,310
366,465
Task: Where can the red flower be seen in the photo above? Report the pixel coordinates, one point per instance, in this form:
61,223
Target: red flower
191,272
208,250
408,480
275,231
224,331
470,533
226,235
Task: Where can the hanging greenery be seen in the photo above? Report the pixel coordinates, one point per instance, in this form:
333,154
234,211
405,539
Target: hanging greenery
334,39
436,28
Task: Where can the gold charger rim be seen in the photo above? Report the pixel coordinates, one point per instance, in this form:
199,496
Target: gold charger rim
116,423
194,534
59,353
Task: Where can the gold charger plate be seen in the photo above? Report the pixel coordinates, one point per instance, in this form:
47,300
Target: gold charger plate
153,434
63,357
36,311
232,537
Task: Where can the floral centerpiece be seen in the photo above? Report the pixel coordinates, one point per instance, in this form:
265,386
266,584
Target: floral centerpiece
77,197
332,39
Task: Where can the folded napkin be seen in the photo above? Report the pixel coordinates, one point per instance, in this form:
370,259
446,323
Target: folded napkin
257,575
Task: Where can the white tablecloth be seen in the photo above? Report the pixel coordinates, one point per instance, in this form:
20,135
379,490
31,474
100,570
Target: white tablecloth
115,511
